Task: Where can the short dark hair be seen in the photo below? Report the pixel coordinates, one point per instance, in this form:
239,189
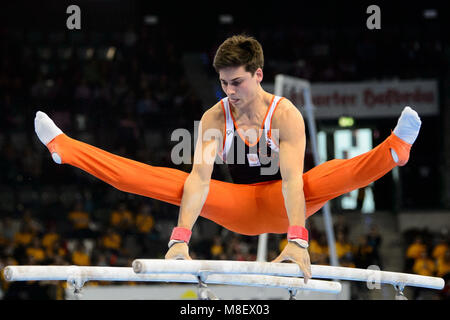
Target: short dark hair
239,50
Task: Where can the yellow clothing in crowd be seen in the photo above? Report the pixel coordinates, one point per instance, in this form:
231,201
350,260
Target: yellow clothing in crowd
23,238
316,248
80,219
49,239
363,250
37,253
347,264
52,251
342,249
424,267
415,250
318,253
216,250
442,267
112,241
439,250
144,223
121,218
80,258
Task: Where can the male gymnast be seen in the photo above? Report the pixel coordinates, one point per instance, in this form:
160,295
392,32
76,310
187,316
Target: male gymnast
270,193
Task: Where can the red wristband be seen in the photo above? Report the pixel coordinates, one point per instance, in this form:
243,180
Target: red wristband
182,234
297,232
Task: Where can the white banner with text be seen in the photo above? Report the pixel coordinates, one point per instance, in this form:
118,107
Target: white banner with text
378,99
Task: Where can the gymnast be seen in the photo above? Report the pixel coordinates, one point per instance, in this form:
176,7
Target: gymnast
270,193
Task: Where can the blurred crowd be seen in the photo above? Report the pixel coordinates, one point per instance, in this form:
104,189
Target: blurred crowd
322,54
428,254
128,231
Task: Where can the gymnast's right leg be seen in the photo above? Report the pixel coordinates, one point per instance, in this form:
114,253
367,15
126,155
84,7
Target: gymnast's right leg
165,184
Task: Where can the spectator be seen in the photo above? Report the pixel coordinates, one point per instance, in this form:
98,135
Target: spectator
111,241
36,251
57,252
343,247
145,232
122,219
424,265
443,265
374,240
24,236
50,237
144,220
217,248
80,255
440,249
416,249
413,252
80,220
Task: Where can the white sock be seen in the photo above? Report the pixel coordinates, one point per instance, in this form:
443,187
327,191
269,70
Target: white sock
408,127
46,131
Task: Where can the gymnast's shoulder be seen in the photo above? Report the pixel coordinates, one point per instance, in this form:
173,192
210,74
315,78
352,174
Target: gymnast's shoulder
213,118
286,112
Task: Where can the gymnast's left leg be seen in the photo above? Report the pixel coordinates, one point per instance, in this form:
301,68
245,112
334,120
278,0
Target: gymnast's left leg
339,176
336,177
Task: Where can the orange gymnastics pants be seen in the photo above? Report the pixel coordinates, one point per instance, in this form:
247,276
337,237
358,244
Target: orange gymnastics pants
248,209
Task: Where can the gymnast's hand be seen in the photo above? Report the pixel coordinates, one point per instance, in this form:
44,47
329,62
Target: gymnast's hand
293,252
179,251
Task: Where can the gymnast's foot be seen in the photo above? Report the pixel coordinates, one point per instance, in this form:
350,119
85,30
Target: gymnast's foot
407,129
46,131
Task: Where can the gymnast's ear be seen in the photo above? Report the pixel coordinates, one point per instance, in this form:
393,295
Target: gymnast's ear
259,74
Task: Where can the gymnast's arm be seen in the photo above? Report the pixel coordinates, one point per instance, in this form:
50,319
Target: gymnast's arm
292,152
196,186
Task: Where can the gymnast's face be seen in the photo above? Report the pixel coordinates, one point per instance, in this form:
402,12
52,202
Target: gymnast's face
240,86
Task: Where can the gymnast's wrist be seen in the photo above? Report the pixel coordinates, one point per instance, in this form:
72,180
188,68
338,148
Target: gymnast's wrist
180,235
298,235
